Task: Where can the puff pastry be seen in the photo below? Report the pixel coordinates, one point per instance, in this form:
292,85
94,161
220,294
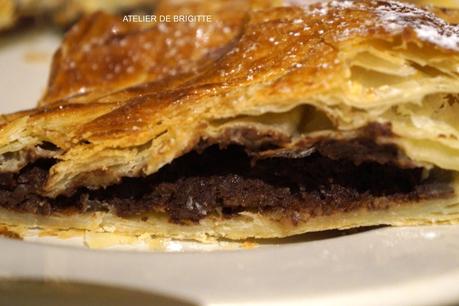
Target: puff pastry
267,123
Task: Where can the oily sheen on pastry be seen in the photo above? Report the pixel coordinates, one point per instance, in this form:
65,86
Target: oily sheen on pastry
272,120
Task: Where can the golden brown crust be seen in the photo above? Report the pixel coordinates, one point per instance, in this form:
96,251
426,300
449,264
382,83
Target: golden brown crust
102,54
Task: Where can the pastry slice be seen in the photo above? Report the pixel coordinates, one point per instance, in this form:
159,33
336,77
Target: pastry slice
330,116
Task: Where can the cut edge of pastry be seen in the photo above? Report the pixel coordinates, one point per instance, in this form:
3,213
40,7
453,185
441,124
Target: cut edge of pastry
420,88
395,81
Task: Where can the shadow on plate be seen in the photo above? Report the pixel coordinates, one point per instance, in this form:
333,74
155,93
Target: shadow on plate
19,292
315,236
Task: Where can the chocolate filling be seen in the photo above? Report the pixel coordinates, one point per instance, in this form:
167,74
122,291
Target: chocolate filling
227,181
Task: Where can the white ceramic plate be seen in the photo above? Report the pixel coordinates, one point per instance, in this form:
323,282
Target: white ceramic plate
385,266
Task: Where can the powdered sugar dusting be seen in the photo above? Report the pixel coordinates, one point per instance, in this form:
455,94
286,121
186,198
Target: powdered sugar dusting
396,17
342,3
321,11
448,40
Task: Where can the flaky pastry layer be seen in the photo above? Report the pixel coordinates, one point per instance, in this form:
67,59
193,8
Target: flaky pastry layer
386,70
